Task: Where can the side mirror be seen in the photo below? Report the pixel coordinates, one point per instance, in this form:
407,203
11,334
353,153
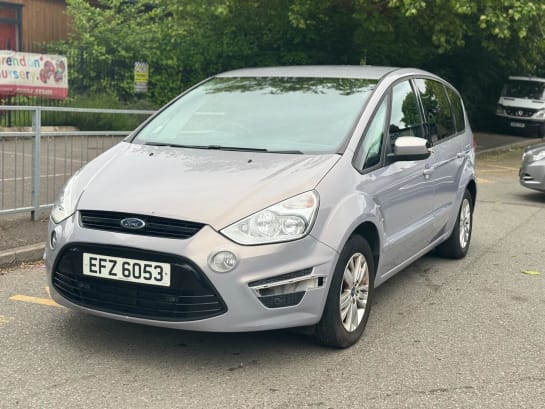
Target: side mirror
410,148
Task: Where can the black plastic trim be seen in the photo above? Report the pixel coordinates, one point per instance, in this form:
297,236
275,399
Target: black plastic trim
191,296
283,300
154,226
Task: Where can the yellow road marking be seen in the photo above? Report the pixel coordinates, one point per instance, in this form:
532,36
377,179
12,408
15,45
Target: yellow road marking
5,320
482,180
35,300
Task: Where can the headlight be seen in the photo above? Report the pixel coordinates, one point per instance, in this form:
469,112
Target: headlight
536,156
65,205
540,114
285,221
500,110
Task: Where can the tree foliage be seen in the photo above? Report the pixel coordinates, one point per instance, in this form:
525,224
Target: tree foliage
473,43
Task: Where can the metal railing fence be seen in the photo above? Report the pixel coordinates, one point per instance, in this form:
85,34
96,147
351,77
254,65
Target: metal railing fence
9,118
35,164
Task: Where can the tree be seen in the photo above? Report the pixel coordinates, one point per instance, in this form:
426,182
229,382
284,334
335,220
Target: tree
475,44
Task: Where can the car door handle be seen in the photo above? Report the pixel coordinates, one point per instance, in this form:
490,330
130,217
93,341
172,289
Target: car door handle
427,172
461,155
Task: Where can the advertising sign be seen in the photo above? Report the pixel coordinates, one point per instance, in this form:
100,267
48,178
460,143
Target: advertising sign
37,75
141,77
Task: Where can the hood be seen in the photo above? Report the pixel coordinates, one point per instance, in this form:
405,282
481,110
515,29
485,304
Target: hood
521,103
537,147
207,186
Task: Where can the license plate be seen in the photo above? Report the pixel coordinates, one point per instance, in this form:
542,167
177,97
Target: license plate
126,269
517,124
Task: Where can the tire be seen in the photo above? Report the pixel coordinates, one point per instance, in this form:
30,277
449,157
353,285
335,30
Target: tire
457,244
333,330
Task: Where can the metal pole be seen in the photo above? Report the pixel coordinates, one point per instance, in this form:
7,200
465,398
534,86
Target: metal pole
36,162
9,112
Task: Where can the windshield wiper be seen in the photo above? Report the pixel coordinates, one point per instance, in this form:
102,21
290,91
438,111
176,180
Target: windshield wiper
235,148
222,148
174,145
293,152
244,149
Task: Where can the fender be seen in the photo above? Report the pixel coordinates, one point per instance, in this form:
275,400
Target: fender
344,208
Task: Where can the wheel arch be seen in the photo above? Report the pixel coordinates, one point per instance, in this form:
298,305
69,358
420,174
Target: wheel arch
472,189
369,231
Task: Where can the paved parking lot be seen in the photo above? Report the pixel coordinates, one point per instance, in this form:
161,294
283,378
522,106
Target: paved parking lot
442,334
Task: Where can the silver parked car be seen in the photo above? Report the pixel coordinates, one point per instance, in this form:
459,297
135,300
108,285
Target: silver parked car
268,198
532,169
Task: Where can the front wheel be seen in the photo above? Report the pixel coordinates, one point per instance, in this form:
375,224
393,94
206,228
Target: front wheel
350,294
457,244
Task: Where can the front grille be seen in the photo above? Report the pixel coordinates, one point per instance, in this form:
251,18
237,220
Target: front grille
190,296
155,226
520,112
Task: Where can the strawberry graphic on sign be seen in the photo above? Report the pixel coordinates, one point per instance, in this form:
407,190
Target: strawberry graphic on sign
51,70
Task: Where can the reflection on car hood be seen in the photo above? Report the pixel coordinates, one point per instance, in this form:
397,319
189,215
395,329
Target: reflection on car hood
212,187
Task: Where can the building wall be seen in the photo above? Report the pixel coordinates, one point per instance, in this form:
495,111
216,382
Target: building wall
42,21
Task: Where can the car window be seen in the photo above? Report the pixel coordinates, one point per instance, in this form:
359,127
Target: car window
457,109
310,115
370,151
405,118
524,89
439,118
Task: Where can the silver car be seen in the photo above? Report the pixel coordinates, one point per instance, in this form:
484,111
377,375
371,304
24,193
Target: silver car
532,169
268,198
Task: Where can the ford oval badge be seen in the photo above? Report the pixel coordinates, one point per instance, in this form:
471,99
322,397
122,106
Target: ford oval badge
133,223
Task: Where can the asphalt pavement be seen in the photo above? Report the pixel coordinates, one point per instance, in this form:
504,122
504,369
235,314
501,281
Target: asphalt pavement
23,240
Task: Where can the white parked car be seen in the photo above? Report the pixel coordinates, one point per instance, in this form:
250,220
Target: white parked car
522,105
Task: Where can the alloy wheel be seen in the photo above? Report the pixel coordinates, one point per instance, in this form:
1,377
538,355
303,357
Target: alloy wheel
354,292
465,223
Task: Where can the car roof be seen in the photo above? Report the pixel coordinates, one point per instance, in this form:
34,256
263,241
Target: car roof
314,71
536,79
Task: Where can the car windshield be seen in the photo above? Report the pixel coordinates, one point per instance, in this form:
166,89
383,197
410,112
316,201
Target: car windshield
291,115
524,89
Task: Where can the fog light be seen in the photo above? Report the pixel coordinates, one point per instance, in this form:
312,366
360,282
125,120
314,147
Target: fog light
53,240
223,261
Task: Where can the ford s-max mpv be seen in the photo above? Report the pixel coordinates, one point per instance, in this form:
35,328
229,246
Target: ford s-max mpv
268,198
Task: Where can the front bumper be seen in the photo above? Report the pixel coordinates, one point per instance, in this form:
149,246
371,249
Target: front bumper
520,123
238,291
532,175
